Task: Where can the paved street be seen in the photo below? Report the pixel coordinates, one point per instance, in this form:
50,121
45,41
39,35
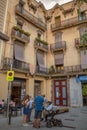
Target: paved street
76,119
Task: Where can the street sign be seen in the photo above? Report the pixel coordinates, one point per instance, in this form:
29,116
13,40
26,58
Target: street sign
10,75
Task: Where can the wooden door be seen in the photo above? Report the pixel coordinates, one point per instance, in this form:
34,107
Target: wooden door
60,92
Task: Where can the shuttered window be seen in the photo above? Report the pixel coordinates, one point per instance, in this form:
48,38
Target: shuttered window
82,16
19,52
83,59
59,59
40,60
82,30
3,4
58,20
58,37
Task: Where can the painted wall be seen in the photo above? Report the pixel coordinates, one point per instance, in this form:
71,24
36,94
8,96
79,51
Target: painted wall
3,86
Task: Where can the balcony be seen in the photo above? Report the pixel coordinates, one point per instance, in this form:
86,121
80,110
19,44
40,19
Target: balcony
42,71
16,65
30,18
68,23
60,46
20,35
79,44
41,45
68,70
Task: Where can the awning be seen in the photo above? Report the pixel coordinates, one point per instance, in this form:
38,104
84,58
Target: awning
4,37
83,78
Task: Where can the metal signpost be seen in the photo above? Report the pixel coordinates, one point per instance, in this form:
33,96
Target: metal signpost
10,78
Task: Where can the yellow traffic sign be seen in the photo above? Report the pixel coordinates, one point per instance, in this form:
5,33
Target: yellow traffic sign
10,75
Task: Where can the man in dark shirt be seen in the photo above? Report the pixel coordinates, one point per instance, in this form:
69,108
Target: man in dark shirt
38,110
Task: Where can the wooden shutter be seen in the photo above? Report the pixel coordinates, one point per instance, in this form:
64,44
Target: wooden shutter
3,4
59,59
83,59
82,30
40,60
19,52
58,37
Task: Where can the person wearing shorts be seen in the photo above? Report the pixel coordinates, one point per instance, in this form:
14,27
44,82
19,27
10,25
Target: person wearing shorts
25,109
38,110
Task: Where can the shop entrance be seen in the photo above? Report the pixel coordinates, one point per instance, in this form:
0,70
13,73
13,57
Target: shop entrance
18,90
84,94
60,92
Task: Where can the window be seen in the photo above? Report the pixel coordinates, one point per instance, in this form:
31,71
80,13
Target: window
83,59
40,61
39,35
21,6
59,59
58,37
18,51
58,21
19,25
40,17
82,30
81,16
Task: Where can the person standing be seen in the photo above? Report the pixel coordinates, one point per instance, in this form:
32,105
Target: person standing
45,101
38,110
25,104
30,108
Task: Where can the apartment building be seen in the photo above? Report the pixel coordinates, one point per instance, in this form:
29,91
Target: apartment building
45,51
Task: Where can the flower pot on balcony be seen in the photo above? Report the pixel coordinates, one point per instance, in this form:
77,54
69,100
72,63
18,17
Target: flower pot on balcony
51,69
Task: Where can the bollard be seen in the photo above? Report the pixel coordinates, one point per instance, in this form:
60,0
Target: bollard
9,116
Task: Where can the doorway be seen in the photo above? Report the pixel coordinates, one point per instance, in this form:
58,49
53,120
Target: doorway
84,94
37,87
16,94
18,90
60,92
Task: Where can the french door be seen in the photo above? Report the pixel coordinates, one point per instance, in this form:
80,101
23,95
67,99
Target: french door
60,92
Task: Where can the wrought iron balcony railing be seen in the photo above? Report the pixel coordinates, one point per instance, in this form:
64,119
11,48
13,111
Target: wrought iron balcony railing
18,35
58,46
61,70
68,23
79,43
19,65
42,70
41,46
68,69
31,18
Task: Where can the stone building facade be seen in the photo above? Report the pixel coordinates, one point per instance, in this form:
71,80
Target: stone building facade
45,51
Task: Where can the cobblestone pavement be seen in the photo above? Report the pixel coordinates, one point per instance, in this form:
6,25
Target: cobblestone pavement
76,119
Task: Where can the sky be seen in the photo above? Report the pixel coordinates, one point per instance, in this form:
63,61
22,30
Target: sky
50,3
